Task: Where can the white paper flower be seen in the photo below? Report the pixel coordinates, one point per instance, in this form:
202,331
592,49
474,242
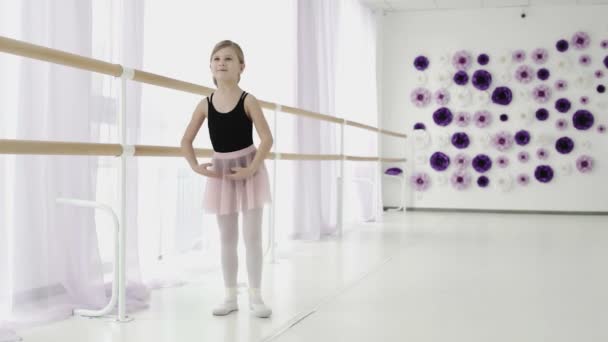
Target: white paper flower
483,97
504,182
505,77
565,63
422,159
586,144
504,60
486,140
445,58
566,169
464,97
523,94
584,81
422,78
444,78
546,139
443,139
422,139
442,180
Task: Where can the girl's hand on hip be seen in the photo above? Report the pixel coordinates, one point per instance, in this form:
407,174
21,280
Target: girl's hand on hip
203,169
241,173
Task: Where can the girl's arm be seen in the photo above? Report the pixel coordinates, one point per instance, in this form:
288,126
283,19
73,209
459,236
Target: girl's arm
198,117
253,108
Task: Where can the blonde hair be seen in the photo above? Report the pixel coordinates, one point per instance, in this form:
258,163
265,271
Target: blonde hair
234,46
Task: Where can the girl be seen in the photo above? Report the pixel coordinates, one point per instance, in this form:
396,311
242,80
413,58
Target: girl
237,177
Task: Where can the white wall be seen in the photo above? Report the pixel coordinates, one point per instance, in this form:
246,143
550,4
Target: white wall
496,32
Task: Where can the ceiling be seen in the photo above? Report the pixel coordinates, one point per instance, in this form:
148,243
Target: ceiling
416,5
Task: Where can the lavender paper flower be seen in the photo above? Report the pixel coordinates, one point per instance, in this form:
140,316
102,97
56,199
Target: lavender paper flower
524,74
562,45
439,161
563,105
542,154
502,141
421,63
540,56
604,44
541,93
598,74
462,161
580,40
461,60
584,163
523,156
584,100
561,124
582,119
564,145
543,74
584,60
419,125
460,140
502,161
481,79
420,97
442,116
483,181
523,179
542,114
522,137
543,173
482,163
502,96
601,129
483,59
519,56
420,181
561,85
461,180
462,119
442,96
482,118
504,117
461,77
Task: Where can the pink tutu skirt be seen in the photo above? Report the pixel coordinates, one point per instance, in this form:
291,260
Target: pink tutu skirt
226,196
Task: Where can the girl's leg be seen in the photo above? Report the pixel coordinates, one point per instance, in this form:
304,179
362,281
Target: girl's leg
229,236
252,233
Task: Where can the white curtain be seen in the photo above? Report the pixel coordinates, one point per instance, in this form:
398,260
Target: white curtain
52,257
336,76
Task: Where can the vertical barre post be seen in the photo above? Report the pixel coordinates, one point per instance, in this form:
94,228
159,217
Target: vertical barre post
340,185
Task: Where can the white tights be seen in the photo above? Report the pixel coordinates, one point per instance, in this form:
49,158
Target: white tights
252,234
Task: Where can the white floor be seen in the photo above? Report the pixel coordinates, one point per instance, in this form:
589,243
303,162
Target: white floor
414,277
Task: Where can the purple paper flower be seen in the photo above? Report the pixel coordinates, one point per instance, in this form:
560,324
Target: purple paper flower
562,45
481,79
580,40
461,180
561,85
442,116
522,137
420,181
542,114
601,88
439,161
393,171
482,118
419,125
524,74
584,100
542,154
462,119
483,181
604,44
540,55
462,161
564,145
460,140
502,96
519,56
541,93
504,117
502,141
563,105
582,119
461,77
584,60
584,163
601,129
482,163
598,74
523,156
606,61
502,161
421,63
543,74
420,97
561,124
442,96
543,173
483,59
461,60
523,179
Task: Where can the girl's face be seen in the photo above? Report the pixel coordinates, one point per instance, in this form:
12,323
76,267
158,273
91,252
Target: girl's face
225,65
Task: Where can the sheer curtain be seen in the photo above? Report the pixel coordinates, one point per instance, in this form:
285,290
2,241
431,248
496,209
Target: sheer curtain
51,260
336,76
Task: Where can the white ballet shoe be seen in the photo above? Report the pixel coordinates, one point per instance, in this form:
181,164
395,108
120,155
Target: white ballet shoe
256,304
225,308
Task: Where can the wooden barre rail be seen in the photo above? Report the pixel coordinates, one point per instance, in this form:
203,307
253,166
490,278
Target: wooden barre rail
20,48
10,146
